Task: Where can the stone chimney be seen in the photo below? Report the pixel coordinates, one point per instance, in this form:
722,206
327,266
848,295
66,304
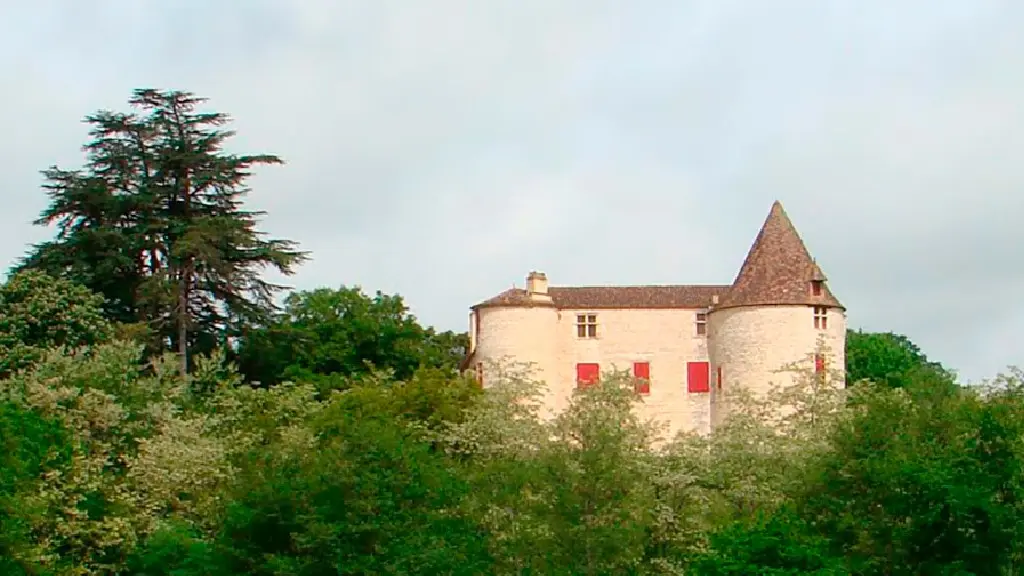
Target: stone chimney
537,283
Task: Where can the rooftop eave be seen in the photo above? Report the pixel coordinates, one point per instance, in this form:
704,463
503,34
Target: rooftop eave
530,304
755,304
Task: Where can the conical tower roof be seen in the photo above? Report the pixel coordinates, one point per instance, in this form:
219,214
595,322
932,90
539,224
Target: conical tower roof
778,270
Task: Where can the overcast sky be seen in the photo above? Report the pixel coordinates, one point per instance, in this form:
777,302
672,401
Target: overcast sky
443,149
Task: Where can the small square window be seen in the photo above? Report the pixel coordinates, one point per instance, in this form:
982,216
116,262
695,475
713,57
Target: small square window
586,325
821,317
816,287
702,323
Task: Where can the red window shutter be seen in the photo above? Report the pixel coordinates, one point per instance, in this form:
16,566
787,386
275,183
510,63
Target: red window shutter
587,374
697,374
719,377
642,372
819,363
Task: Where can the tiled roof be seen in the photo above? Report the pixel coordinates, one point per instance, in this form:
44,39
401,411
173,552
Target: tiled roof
513,297
594,297
778,269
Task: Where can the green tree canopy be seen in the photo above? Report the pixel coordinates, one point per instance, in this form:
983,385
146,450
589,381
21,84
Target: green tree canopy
154,222
29,445
925,479
889,359
327,334
39,312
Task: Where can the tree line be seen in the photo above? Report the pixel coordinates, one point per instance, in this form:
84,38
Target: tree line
161,414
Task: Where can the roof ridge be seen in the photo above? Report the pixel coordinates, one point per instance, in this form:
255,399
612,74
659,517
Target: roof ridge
647,296
643,286
778,269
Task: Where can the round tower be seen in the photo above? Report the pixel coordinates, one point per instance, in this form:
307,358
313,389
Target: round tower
518,326
778,314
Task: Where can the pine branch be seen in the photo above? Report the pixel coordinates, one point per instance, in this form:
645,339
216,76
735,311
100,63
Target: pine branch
158,208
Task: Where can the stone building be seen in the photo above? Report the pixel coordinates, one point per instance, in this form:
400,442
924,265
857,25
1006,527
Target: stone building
687,343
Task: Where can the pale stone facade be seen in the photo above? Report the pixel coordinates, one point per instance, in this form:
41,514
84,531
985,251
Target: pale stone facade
753,345
695,341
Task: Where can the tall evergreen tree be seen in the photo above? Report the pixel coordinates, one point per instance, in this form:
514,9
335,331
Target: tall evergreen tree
154,222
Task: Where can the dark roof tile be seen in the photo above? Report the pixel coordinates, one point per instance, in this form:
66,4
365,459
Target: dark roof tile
595,297
778,269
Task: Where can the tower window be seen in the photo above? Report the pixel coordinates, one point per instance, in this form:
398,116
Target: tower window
586,325
819,363
816,287
821,317
702,323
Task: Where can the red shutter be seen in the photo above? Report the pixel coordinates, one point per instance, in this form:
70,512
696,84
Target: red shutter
587,374
719,383
642,372
819,363
697,374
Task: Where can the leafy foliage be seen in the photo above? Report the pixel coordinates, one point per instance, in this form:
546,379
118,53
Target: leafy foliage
327,336
925,480
889,359
154,223
776,544
39,312
29,444
125,469
365,497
